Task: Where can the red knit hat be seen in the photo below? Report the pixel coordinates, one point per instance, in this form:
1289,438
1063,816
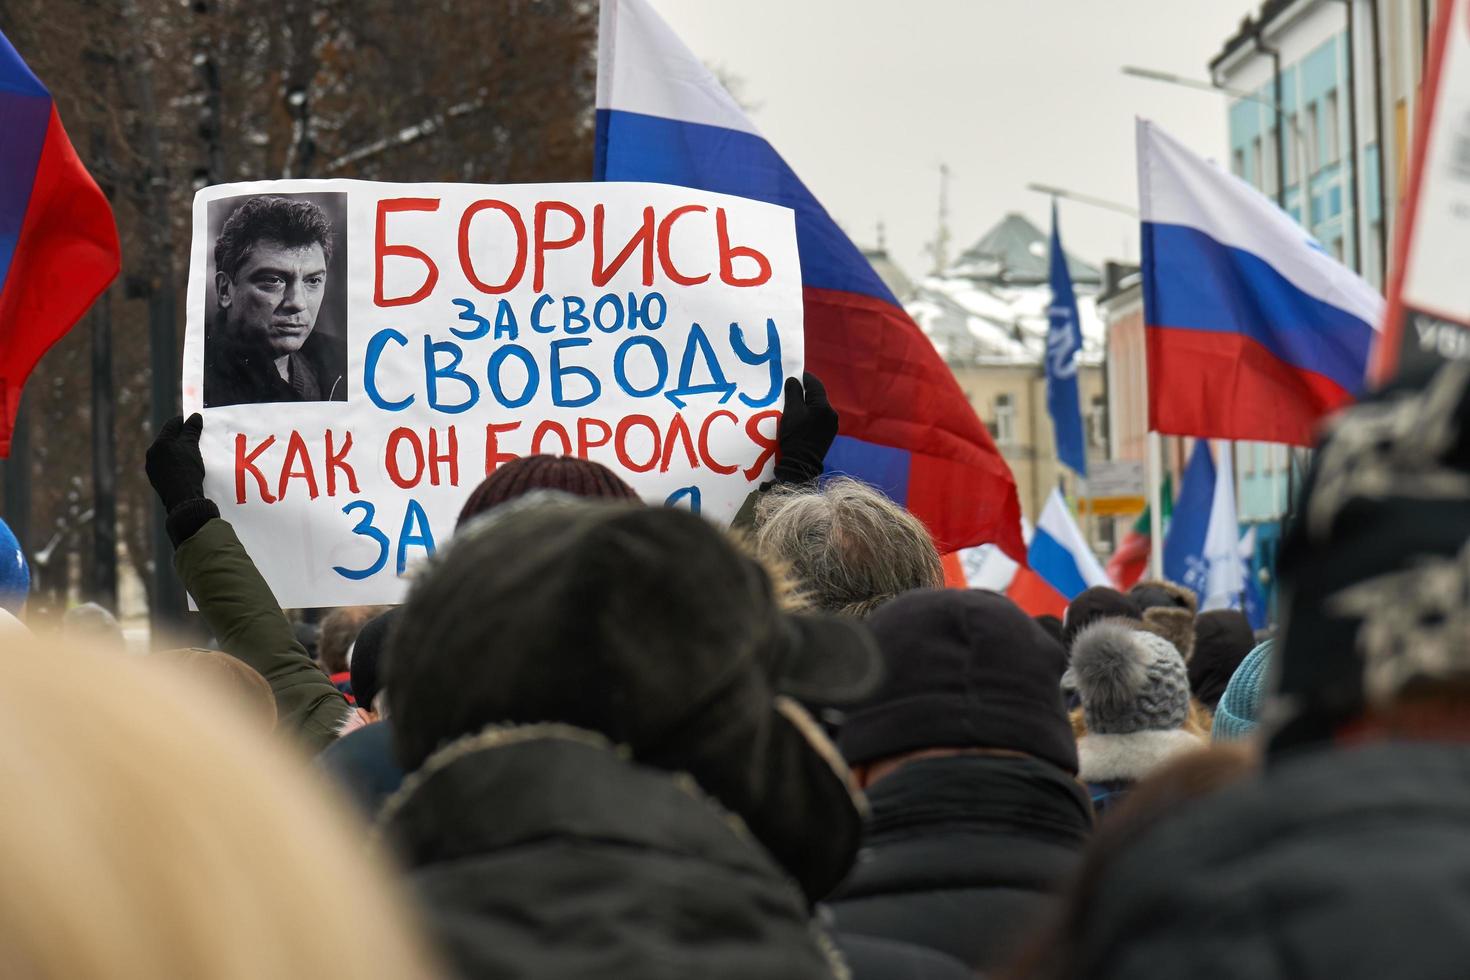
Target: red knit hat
578,477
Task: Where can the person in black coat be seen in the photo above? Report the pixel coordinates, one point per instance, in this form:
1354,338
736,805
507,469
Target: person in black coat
1345,863
1349,855
603,779
970,765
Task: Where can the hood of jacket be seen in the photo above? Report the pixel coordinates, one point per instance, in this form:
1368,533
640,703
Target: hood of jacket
1341,863
543,850
963,853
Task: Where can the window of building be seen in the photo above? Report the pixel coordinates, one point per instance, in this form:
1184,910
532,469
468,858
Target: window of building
1293,126
1237,163
1097,423
1331,127
1268,182
1257,175
1375,264
1005,420
1310,135
1248,467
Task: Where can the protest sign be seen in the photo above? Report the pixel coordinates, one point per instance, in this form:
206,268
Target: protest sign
365,353
1428,317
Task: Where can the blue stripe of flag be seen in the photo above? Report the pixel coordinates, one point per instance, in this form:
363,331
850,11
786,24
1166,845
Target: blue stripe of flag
1054,563
25,115
1200,284
884,467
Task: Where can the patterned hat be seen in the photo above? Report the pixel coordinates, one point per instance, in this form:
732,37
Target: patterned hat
1375,570
1129,680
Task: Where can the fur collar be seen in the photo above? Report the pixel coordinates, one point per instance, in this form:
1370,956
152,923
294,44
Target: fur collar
1103,758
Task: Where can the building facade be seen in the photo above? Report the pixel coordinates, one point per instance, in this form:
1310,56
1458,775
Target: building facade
1326,100
1120,307
1346,76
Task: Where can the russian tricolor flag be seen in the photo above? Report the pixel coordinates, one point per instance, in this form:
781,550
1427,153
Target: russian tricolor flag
1254,332
58,242
1062,565
907,428
1059,552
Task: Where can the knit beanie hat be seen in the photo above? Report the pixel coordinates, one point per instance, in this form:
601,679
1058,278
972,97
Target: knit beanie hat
367,651
568,474
1129,680
1098,602
1239,711
1222,639
15,574
964,669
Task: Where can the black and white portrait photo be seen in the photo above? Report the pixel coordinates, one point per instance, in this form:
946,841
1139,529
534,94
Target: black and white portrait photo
276,300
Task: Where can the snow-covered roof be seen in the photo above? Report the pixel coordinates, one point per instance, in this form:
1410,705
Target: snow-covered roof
990,306
972,322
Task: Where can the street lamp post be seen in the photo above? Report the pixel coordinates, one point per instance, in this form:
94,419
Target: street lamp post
1098,202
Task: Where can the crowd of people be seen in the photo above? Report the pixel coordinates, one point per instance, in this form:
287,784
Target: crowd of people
604,739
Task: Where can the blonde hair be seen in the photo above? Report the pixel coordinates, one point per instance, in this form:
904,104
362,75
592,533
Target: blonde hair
148,829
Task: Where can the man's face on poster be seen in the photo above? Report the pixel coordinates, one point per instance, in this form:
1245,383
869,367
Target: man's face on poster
274,297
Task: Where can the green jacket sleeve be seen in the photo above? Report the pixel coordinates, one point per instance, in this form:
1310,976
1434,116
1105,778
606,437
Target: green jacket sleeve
239,607
745,516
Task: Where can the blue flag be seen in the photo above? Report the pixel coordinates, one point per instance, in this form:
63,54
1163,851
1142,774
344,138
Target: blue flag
1063,345
1184,542
1202,545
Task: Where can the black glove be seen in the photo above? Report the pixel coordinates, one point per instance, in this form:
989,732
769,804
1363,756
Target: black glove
808,426
176,470
175,467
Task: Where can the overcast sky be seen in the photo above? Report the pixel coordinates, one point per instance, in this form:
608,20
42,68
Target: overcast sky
865,98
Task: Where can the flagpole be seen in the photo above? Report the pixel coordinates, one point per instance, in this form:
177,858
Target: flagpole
1155,506
1088,517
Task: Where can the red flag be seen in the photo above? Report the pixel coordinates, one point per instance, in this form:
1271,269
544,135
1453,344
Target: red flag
58,240
1035,595
1130,561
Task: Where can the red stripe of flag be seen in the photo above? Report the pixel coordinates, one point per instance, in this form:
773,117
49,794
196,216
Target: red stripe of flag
66,255
891,388
1193,373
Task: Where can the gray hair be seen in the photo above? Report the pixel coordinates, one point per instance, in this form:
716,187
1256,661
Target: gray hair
851,548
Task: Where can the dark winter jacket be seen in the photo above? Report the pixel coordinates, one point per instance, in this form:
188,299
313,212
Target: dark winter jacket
245,617
871,958
543,852
1343,864
962,854
362,763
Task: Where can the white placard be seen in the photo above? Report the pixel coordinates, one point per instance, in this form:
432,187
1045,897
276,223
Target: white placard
373,350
